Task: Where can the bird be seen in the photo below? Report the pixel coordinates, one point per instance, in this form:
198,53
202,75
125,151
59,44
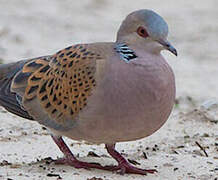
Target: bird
101,92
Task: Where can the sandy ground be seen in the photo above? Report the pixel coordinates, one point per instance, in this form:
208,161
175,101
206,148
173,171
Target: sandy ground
35,28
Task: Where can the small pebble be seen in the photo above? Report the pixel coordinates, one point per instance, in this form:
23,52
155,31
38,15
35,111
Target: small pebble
175,169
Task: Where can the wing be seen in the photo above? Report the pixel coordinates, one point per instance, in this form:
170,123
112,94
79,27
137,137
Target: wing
53,92
8,99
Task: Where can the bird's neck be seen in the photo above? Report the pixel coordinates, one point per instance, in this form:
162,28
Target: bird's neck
125,52
129,49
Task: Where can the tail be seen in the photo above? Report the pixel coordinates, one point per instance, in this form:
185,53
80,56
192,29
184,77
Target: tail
10,100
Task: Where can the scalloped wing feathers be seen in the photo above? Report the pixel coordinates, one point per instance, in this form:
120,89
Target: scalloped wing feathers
54,89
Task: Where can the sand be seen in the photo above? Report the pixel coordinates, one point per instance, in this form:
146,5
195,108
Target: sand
186,147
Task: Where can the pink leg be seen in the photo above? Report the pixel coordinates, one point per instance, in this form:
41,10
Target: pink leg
123,165
70,158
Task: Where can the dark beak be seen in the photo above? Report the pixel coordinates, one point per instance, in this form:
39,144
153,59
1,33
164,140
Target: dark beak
168,46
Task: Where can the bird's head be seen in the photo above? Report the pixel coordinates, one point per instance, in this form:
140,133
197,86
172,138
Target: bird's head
144,27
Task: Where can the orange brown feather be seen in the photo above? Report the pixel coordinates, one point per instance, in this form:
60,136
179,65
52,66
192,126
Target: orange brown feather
61,85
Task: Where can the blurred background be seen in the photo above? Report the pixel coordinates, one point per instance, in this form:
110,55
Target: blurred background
34,28
31,28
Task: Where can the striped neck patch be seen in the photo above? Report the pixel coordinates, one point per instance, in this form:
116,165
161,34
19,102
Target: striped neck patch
125,52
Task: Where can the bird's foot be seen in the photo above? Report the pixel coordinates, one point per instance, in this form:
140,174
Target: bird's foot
123,168
79,164
123,165
126,168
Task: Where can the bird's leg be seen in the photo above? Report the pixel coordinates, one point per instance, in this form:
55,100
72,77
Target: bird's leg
70,159
123,164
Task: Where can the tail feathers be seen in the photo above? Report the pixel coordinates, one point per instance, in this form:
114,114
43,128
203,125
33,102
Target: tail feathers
9,70
13,108
8,99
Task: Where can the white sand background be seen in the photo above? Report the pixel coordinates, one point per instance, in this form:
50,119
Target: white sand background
33,28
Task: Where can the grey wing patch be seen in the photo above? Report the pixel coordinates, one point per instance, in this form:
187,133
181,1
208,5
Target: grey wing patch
9,99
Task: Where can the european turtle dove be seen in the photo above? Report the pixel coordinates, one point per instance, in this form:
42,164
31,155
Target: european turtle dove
101,92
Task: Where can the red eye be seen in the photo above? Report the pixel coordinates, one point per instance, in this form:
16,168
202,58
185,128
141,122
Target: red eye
142,32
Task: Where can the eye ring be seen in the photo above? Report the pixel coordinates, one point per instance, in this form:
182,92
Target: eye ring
141,31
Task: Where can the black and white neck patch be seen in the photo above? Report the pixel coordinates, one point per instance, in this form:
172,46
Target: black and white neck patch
125,52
